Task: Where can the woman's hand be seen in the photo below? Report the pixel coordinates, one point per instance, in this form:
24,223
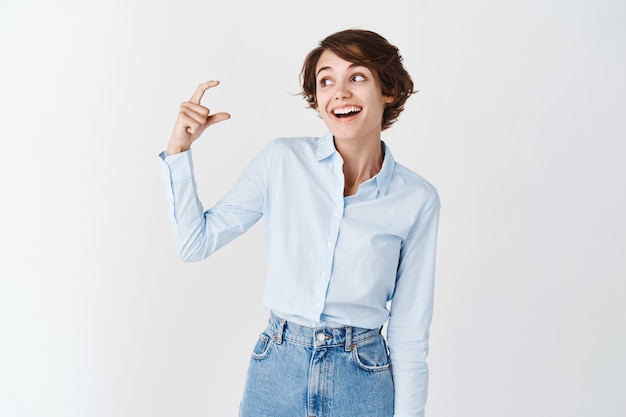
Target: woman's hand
192,119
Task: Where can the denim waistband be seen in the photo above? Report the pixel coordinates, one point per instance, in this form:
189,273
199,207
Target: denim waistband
318,337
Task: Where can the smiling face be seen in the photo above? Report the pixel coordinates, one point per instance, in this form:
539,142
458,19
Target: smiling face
349,98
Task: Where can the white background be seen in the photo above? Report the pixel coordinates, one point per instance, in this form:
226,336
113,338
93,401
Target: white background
519,123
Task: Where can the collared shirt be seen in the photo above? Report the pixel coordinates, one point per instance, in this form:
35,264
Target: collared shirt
330,258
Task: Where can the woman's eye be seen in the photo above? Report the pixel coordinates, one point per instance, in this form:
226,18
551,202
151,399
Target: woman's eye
358,78
325,82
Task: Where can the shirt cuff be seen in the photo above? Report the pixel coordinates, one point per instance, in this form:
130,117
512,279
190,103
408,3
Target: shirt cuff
178,167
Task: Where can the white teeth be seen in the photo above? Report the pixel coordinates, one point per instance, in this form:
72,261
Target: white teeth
346,110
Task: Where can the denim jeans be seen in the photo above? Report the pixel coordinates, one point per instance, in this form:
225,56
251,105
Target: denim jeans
298,371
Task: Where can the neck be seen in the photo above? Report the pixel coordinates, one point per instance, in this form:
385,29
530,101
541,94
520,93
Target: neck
361,161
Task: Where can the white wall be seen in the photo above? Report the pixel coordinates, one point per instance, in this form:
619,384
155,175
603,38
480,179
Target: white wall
519,123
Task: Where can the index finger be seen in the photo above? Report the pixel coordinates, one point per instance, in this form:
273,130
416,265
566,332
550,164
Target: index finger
197,96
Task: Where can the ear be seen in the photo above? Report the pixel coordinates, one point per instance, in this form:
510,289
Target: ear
389,99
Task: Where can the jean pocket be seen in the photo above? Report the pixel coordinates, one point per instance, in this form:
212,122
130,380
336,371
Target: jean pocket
372,354
262,347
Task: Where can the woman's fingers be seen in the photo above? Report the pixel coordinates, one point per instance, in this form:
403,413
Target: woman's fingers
196,117
193,119
195,111
191,125
197,95
218,117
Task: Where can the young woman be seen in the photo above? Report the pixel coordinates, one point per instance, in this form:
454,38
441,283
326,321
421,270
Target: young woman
347,229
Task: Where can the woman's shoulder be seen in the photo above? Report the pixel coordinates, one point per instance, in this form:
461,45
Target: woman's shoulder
410,177
413,186
298,145
296,142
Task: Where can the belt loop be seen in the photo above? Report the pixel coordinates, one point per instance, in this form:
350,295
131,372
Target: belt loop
281,330
348,338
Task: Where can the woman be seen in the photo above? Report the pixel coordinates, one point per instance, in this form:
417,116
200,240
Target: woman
347,229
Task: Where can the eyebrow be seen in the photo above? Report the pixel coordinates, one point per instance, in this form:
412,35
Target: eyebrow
328,68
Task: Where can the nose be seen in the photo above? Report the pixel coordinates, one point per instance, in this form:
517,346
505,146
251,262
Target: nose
342,91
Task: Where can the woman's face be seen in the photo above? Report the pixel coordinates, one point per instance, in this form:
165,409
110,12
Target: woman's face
349,98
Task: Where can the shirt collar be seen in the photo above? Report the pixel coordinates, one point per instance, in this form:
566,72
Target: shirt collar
326,147
383,178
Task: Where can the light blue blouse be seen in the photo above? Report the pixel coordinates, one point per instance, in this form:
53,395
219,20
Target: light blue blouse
330,259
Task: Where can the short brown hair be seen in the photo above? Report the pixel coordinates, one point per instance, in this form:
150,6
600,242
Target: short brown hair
367,48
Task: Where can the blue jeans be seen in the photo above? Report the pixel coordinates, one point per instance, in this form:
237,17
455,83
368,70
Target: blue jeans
298,371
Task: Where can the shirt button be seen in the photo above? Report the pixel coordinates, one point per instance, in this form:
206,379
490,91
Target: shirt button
329,243
318,305
320,337
324,275
336,214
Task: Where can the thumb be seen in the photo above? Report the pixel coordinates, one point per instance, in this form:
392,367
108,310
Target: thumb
217,117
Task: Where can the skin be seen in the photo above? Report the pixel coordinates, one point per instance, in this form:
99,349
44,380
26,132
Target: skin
193,119
340,85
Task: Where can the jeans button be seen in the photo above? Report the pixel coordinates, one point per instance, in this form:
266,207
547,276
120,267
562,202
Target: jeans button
320,337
